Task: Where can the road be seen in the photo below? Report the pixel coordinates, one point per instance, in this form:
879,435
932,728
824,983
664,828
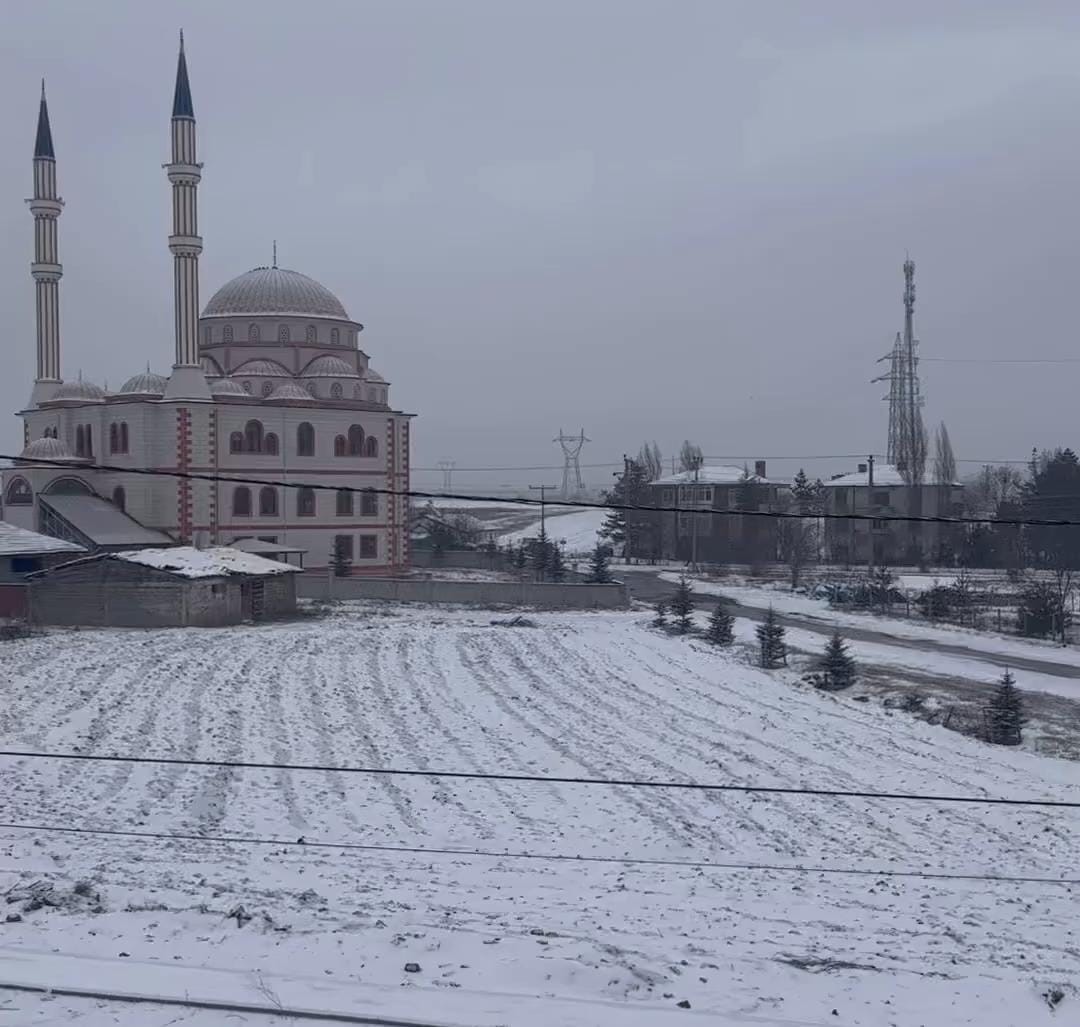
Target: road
647,587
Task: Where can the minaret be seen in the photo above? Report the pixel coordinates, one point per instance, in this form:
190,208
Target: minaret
187,380
46,269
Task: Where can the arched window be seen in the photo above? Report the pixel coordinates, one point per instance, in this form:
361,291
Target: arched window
344,503
270,444
19,493
369,503
253,333
246,386
267,501
335,337
119,497
226,333
123,437
341,447
309,333
356,440
80,441
241,501
336,391
114,438
305,502
282,333
89,441
371,446
253,437
305,440
236,442
267,388
357,392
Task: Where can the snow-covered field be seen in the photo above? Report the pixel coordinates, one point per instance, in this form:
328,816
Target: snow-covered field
580,694
577,531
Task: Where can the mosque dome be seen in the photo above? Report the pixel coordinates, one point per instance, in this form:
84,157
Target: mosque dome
227,387
290,390
274,290
78,391
46,449
329,367
261,369
145,384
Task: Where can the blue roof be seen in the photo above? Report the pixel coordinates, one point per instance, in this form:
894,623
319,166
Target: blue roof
43,145
181,105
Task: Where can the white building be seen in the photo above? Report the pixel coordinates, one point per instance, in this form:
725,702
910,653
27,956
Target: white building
268,384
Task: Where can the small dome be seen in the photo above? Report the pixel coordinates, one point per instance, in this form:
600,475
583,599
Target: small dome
79,391
274,290
46,449
289,390
262,369
145,384
211,368
329,367
227,387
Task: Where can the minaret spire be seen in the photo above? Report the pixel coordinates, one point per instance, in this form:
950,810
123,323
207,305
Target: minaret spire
46,269
184,171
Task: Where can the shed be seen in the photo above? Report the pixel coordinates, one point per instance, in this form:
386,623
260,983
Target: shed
175,587
23,552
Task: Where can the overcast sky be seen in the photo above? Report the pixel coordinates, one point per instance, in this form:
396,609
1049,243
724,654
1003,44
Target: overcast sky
656,219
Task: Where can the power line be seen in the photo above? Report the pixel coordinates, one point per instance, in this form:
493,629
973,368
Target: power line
1001,360
544,856
74,465
471,775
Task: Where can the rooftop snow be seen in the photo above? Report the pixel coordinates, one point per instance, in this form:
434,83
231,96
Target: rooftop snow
884,474
219,562
716,474
16,541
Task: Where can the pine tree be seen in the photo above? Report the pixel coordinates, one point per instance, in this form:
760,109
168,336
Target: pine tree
340,559
836,670
770,634
660,620
598,566
721,630
682,605
541,554
521,557
1007,712
556,565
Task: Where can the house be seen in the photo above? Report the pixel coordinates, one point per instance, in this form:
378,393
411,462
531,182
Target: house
879,492
21,553
175,587
708,536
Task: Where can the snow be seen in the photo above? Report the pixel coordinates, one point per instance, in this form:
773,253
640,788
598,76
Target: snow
217,562
597,694
16,541
577,530
715,474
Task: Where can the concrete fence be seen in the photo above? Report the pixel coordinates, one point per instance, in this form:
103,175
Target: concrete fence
542,596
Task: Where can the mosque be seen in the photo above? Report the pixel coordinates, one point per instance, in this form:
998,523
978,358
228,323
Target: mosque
268,384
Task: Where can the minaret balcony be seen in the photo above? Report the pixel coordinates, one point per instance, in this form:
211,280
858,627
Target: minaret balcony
185,245
42,206
43,272
184,174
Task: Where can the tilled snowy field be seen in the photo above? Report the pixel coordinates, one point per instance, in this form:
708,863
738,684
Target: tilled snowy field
593,695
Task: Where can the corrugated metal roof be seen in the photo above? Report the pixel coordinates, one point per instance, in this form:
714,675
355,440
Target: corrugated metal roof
15,541
218,562
103,523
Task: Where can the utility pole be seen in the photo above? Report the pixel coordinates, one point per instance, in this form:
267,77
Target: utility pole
870,496
543,490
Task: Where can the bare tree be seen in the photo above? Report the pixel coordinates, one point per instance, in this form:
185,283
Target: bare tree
944,461
797,539
651,461
690,456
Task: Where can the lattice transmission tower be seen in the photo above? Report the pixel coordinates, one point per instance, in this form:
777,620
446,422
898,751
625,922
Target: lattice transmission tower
571,449
447,468
907,436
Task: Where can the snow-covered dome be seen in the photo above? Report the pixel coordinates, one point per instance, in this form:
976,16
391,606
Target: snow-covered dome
145,384
227,387
274,290
262,369
289,390
46,449
79,391
329,367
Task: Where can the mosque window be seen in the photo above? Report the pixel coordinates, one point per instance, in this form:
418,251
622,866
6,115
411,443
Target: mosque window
89,441
123,437
267,388
226,333
282,333
369,503
356,440
335,337
341,446
270,444
336,391
236,442
309,334
246,386
114,438
80,441
253,437
267,501
358,393
241,501
253,333
19,493
371,446
344,503
305,440
119,497
305,502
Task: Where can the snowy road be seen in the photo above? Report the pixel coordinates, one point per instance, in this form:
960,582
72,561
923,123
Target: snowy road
597,695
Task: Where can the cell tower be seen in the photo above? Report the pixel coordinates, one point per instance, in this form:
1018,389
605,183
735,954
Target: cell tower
907,436
571,449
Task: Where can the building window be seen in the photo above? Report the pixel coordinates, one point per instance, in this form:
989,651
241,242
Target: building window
309,334
19,493
241,501
226,333
114,438
336,391
246,386
369,503
344,503
704,495
282,333
343,546
357,392
371,446
878,524
123,437
253,333
305,440
267,501
119,498
253,437
80,441
89,441
305,502
369,547
841,500
335,337
356,440
341,447
270,444
236,442
267,388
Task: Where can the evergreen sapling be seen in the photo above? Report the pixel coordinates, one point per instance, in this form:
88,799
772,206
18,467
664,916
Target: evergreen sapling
721,629
770,636
682,606
1007,712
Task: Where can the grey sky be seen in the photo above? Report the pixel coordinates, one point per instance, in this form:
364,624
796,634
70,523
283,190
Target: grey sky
662,220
